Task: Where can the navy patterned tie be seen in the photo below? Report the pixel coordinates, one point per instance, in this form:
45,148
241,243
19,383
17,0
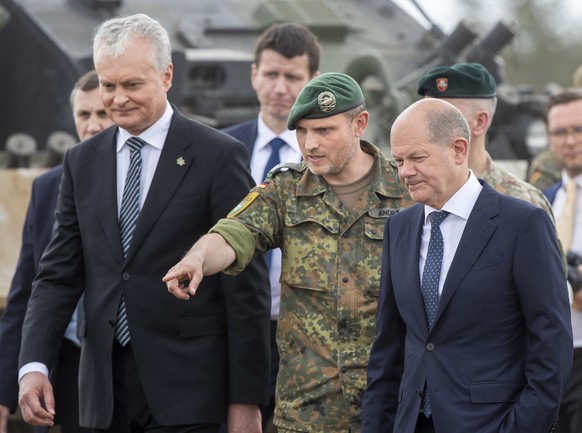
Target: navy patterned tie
430,280
276,144
127,218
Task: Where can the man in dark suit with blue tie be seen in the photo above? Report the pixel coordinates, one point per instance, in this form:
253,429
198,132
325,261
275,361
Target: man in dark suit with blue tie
131,202
90,118
286,58
473,321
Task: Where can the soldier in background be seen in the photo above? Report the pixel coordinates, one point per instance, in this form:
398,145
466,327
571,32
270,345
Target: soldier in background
545,169
327,215
472,89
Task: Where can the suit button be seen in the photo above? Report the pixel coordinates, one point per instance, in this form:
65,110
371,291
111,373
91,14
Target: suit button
111,323
418,393
430,346
345,279
346,235
125,276
344,370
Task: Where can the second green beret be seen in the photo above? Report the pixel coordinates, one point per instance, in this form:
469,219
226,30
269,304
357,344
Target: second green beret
462,80
324,96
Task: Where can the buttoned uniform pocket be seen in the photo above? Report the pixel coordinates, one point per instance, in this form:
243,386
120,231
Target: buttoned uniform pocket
371,256
310,248
374,229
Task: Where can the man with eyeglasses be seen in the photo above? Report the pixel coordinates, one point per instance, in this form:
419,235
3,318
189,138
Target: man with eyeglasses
564,121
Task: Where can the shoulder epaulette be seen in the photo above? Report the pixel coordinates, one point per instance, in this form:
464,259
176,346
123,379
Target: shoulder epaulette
284,166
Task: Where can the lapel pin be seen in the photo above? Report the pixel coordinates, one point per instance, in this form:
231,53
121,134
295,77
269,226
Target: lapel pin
180,161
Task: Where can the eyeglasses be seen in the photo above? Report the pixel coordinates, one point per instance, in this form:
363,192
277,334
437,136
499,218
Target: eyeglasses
561,134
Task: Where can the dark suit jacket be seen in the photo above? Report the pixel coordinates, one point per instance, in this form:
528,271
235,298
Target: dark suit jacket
193,357
551,191
245,132
36,234
499,354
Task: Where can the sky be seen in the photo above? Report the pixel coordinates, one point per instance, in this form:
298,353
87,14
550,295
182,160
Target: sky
446,14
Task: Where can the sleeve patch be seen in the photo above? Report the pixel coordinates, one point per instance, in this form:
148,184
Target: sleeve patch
245,202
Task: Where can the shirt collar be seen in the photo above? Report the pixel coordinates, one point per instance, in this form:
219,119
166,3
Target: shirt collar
566,178
266,134
462,202
382,183
155,135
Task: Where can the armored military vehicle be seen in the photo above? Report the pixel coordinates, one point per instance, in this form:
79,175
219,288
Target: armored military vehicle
46,44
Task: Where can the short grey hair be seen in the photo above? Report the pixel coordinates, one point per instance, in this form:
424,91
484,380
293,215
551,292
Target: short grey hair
446,124
113,36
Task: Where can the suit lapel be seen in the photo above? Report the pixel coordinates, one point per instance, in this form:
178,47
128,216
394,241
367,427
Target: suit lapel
410,246
103,167
175,161
476,235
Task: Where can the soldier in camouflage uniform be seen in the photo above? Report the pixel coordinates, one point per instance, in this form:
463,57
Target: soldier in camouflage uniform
544,170
329,225
472,89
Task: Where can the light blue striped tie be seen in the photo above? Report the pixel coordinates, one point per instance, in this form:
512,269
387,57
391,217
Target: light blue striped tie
127,218
431,276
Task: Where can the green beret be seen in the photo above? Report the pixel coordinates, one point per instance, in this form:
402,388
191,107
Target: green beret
324,96
462,80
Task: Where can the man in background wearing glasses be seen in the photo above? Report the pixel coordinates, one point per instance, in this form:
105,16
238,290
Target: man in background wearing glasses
564,121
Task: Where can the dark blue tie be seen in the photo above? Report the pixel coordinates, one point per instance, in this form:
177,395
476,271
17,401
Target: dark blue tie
275,144
430,279
127,218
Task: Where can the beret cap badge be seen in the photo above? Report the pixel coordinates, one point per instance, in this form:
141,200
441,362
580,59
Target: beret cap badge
326,101
326,95
442,84
461,80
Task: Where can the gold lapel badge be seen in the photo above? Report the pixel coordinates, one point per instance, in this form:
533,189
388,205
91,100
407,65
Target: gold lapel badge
180,161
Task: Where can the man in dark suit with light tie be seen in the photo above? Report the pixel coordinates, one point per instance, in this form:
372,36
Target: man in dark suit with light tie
90,118
473,322
131,202
286,58
564,121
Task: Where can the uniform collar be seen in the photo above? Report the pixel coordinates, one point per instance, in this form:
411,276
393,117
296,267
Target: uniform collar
385,181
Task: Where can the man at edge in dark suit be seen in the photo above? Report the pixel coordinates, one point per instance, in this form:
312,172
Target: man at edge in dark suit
131,202
90,118
473,321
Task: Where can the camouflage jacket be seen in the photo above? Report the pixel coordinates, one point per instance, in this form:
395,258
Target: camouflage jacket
330,281
506,183
544,170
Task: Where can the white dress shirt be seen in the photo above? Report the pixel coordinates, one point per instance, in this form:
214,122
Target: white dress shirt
259,158
155,136
459,207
